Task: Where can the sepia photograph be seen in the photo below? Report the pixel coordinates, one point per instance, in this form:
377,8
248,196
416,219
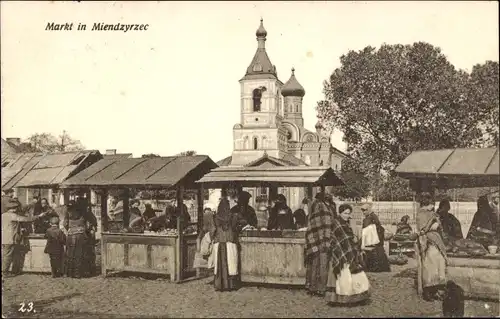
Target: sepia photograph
250,159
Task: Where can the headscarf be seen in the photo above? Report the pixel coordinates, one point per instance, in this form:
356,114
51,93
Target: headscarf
320,229
223,215
451,225
484,218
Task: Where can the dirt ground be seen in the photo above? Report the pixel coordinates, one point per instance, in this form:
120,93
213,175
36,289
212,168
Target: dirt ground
393,295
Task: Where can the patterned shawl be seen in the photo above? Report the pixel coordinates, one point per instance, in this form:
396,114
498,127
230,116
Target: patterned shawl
319,231
425,218
344,250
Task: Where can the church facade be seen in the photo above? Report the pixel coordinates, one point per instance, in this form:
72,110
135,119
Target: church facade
271,124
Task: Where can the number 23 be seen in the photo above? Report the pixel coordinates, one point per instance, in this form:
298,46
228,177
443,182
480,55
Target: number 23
23,307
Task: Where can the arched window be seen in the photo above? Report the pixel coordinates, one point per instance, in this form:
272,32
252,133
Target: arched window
255,143
257,99
296,108
336,167
321,163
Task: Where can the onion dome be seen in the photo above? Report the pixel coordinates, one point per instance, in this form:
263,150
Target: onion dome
261,32
292,87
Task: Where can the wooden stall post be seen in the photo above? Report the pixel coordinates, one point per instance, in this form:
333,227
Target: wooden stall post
273,191
104,210
65,196
200,213
179,265
126,213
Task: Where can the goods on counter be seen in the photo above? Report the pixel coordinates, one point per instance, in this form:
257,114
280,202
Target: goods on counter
466,248
189,230
249,227
398,260
404,237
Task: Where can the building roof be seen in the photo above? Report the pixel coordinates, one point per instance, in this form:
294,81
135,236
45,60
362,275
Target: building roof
117,156
44,170
156,172
261,66
472,167
292,87
7,148
278,175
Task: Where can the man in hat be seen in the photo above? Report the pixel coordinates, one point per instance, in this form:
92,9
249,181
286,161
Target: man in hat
244,209
13,247
6,196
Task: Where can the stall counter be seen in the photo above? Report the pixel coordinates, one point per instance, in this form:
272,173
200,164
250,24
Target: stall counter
147,253
36,260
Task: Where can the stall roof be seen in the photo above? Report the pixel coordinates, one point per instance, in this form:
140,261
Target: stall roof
156,172
473,167
44,169
280,175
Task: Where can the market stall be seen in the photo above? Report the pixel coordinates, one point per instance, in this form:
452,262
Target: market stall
458,168
167,252
41,174
272,257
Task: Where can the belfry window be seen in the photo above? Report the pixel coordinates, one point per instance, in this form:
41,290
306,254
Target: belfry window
257,99
255,143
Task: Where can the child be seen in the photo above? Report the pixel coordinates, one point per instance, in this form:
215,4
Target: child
55,246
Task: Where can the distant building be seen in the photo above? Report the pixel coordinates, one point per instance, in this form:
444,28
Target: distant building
272,126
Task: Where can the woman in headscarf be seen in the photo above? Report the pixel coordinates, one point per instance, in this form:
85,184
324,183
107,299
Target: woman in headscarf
246,211
77,240
347,261
280,216
483,225
225,248
432,249
376,259
452,230
403,228
319,234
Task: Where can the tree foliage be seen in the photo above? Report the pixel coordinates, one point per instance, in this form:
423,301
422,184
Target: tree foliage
357,185
187,153
401,98
47,143
151,155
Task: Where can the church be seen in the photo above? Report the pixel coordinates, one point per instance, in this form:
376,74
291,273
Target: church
271,128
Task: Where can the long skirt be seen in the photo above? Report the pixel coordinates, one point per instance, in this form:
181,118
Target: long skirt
433,268
226,270
376,260
76,248
317,273
89,258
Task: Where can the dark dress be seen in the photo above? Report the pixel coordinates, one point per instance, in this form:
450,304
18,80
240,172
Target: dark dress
485,219
227,227
452,230
376,259
80,245
281,221
247,213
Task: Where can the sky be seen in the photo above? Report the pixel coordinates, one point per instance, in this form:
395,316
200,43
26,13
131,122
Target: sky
175,86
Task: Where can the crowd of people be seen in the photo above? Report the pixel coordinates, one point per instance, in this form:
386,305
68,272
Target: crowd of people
335,261
71,248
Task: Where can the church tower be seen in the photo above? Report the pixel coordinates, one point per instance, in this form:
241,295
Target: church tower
259,130
293,93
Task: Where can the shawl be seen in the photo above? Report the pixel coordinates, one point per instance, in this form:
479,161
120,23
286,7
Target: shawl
247,213
451,226
425,218
484,216
344,250
223,216
320,229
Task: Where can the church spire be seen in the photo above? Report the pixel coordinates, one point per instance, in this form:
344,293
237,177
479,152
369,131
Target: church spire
261,66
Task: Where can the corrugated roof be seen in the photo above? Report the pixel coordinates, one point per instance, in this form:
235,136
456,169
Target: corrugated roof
452,168
281,175
45,170
161,172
